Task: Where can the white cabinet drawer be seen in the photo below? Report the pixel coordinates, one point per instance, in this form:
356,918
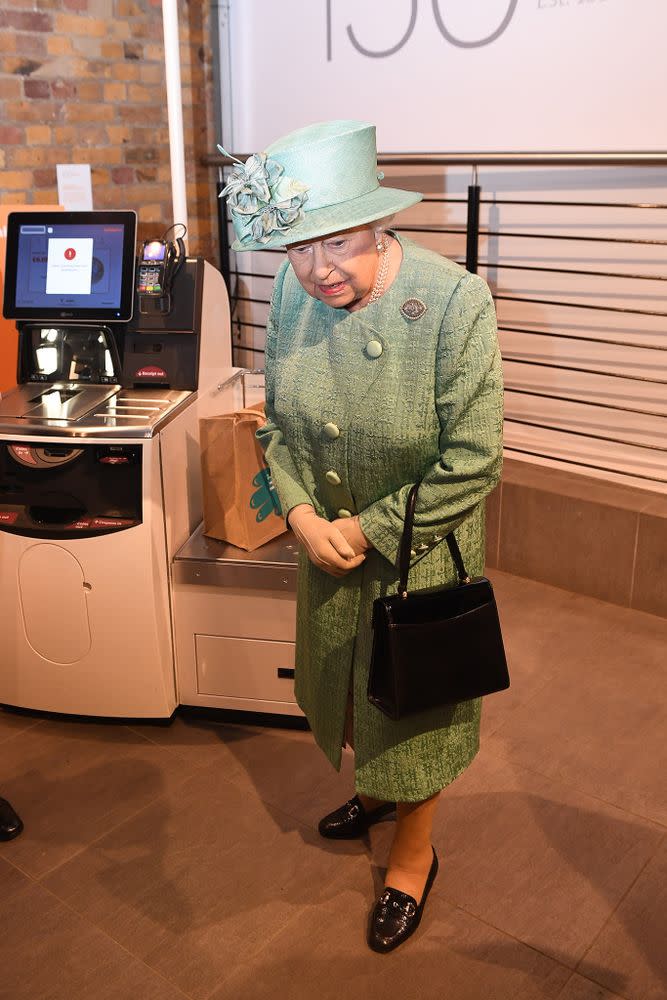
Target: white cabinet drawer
245,668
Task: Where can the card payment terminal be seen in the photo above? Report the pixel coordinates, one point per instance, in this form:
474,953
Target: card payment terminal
153,261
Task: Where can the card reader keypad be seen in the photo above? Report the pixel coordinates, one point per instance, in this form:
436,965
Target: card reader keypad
149,279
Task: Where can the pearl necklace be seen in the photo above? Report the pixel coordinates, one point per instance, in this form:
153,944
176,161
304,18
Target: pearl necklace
383,268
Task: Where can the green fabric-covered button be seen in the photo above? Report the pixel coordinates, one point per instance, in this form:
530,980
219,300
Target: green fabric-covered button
332,477
343,512
331,430
374,348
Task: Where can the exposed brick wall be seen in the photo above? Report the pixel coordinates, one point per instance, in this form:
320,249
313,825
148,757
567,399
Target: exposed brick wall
82,81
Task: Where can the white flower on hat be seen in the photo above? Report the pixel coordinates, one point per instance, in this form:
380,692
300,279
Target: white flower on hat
269,201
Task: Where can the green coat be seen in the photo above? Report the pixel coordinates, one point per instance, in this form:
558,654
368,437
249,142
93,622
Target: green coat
427,407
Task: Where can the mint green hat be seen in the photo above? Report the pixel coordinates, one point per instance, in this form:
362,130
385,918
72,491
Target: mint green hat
318,180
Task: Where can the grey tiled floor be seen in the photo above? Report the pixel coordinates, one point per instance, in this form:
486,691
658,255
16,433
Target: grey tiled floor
163,863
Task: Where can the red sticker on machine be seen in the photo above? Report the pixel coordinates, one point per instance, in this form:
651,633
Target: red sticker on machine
111,522
87,523
150,371
8,516
22,453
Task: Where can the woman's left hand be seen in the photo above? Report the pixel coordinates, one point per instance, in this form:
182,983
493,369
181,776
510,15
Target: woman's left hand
350,529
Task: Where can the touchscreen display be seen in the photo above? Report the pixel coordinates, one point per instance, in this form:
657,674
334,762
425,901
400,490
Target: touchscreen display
71,265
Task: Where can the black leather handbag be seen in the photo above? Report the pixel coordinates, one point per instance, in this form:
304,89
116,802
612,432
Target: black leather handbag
434,647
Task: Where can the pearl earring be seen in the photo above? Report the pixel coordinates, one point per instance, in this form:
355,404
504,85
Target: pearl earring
379,242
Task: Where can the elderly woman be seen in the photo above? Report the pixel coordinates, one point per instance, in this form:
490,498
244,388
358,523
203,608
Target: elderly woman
382,370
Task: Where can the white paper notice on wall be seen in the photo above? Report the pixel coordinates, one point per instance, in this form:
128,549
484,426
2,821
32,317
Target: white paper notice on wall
75,189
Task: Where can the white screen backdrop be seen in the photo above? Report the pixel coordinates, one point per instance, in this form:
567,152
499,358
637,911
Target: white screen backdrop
453,75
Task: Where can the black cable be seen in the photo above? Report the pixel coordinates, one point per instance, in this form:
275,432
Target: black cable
174,226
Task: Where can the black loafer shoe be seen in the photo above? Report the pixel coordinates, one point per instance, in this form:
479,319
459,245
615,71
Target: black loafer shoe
10,823
352,820
396,915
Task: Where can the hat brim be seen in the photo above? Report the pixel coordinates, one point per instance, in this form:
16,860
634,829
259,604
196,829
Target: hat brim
336,218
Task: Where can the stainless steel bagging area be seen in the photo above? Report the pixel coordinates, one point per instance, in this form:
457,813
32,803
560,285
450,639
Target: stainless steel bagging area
234,624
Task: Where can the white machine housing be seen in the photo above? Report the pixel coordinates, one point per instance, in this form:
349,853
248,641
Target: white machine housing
86,622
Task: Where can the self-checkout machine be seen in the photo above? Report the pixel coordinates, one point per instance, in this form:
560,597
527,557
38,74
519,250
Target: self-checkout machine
99,458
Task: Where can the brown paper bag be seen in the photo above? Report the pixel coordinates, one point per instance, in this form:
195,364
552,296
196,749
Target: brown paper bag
240,504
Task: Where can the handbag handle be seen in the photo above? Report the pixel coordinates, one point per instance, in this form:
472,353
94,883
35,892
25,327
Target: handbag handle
406,546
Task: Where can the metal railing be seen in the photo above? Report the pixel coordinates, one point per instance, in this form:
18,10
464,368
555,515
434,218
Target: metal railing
475,231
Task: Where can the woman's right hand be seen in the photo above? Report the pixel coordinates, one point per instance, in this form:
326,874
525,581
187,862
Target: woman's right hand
325,544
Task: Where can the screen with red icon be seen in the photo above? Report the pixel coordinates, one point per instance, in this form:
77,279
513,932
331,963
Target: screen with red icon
70,265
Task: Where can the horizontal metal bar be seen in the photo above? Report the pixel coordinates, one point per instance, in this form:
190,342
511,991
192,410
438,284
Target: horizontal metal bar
569,270
461,231
586,434
578,239
578,336
245,322
586,465
252,274
570,204
585,402
443,201
540,202
259,302
280,250
562,158
534,236
565,158
583,371
579,305
253,350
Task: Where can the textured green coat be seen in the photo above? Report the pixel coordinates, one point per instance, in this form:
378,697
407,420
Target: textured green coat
427,407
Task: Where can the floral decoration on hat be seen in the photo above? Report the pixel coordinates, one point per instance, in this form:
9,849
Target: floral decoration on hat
267,200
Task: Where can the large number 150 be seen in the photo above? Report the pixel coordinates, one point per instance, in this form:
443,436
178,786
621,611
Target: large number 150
440,22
